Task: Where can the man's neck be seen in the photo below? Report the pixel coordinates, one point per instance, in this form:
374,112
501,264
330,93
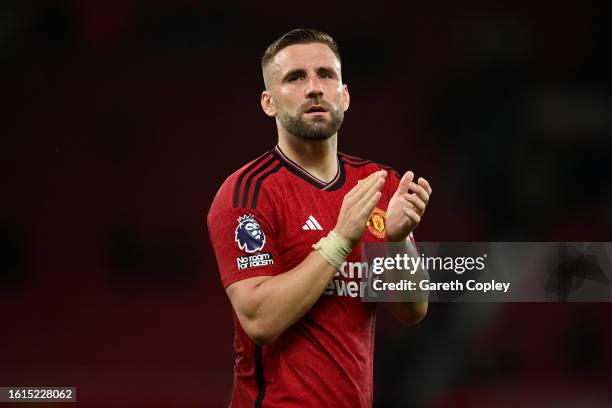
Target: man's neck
318,157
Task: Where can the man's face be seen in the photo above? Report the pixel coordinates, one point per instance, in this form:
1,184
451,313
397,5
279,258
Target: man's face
306,93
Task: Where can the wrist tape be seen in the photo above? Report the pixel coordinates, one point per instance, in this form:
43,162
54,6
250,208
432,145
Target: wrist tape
333,248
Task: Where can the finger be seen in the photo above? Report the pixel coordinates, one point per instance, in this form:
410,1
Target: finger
425,184
417,202
419,191
369,176
365,198
376,179
364,184
355,192
369,207
404,183
410,213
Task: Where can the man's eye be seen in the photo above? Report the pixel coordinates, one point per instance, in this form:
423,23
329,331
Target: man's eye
325,75
294,78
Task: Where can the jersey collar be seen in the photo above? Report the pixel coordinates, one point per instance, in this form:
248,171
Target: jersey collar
293,167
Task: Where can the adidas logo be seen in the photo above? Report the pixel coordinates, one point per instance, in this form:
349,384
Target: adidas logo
312,225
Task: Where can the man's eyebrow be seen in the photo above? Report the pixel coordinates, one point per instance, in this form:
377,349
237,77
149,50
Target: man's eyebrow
293,72
327,70
301,71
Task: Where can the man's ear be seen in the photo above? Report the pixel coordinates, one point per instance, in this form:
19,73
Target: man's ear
267,104
347,97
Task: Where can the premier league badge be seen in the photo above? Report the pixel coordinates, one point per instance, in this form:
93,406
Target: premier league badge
249,235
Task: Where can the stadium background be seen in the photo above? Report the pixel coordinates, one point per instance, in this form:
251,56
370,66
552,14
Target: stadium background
121,119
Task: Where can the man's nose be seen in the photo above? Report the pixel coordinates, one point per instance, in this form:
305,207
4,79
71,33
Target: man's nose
314,87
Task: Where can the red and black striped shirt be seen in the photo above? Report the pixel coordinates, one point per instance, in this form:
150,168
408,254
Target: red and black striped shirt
263,221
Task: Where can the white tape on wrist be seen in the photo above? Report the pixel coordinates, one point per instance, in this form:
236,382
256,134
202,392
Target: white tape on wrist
333,248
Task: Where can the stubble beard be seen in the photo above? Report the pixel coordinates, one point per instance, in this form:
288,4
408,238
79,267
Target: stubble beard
318,128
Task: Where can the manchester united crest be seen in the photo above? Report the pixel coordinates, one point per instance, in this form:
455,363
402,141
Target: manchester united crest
376,222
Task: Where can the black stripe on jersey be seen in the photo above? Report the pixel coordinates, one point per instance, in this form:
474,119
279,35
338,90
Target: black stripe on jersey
247,185
261,381
357,162
258,184
244,173
366,162
293,168
352,158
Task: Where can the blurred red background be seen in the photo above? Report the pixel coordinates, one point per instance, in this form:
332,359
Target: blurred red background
120,121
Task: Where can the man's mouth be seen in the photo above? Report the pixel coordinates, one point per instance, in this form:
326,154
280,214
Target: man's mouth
316,110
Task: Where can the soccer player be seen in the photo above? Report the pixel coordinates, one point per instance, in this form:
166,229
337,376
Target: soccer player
285,229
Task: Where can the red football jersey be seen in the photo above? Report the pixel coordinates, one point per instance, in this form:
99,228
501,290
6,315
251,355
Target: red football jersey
263,221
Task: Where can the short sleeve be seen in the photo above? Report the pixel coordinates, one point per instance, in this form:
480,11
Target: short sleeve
243,239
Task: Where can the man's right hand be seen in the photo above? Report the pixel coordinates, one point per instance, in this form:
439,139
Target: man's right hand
357,206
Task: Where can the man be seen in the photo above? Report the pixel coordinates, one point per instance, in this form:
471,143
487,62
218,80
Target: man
285,229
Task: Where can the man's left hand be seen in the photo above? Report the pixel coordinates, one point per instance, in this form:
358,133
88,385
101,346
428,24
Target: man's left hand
407,206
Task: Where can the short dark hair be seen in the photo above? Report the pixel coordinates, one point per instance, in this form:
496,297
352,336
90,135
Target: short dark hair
299,36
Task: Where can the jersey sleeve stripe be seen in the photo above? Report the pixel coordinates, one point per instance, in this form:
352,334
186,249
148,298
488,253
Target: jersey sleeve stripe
260,181
247,185
244,173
